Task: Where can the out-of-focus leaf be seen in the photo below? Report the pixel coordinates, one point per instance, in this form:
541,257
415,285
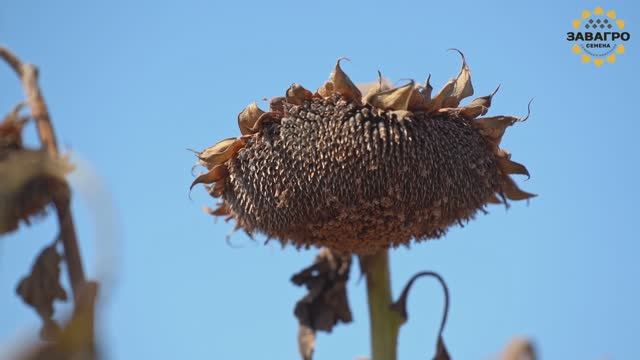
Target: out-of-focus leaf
42,287
326,302
519,349
27,178
75,340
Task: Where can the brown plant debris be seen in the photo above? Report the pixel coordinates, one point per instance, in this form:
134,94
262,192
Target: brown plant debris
361,173
75,340
519,348
28,178
326,302
42,287
401,307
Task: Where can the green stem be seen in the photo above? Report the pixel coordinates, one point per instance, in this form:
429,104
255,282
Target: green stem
384,322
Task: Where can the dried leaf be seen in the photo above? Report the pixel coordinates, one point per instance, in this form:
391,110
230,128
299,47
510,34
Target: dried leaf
421,97
401,307
42,287
217,173
326,302
76,340
438,101
493,128
393,99
519,349
462,86
248,118
512,167
374,87
220,152
512,191
221,210
296,94
340,83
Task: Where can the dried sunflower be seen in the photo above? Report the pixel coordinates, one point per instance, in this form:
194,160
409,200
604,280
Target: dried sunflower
360,173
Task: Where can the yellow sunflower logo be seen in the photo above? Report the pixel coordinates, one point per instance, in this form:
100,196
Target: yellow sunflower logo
599,36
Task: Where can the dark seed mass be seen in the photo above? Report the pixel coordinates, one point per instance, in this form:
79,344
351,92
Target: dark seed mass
329,174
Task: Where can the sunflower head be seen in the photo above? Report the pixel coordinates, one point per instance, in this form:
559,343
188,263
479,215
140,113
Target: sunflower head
362,169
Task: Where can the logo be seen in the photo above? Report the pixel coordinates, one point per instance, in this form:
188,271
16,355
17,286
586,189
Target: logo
598,36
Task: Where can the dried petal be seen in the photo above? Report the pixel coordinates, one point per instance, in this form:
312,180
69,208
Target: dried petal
393,99
217,173
340,83
438,102
220,152
421,97
512,191
494,127
462,86
296,94
479,106
248,118
221,210
512,167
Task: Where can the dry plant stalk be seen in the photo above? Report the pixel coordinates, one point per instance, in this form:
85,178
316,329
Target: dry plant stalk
30,180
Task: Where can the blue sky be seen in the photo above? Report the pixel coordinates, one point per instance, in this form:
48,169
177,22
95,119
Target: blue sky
132,84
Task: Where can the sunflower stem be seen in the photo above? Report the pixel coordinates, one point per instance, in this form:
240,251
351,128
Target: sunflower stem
383,321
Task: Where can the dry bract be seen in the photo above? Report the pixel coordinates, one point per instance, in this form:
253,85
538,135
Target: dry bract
360,174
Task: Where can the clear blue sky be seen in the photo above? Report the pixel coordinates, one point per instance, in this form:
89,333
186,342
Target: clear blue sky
132,84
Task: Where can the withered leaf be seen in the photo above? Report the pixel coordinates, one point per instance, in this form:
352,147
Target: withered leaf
401,307
438,101
494,127
296,94
393,99
220,152
42,286
340,83
519,349
421,97
326,302
512,167
512,191
479,106
11,130
217,173
221,210
462,85
248,117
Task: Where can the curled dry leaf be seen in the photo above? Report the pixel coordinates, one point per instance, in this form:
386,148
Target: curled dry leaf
248,118
326,302
341,84
296,94
42,287
393,99
401,307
